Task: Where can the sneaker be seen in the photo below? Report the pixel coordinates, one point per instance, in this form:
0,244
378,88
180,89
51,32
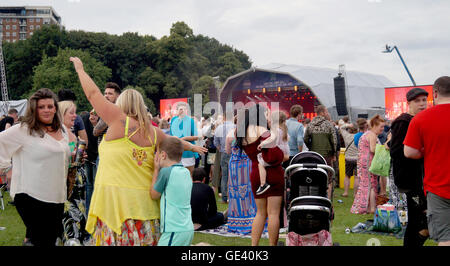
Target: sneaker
262,189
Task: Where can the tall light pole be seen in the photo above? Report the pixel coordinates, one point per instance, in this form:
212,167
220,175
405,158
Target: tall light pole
389,49
3,86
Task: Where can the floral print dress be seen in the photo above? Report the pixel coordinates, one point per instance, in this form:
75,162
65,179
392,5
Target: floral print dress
367,180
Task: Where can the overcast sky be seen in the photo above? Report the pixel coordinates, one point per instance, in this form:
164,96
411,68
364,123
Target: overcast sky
321,33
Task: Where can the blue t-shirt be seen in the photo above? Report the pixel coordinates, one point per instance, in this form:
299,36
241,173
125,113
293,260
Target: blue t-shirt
356,138
175,185
183,127
78,125
295,132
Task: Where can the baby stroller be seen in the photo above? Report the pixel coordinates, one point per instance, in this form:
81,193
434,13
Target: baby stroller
310,211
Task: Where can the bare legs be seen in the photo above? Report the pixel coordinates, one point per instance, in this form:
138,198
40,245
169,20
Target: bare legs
383,181
262,174
355,185
346,186
191,169
372,201
273,211
267,207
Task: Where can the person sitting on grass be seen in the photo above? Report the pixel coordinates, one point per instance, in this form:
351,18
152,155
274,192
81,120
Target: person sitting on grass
203,203
173,184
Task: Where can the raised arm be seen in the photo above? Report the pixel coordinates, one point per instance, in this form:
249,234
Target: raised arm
108,111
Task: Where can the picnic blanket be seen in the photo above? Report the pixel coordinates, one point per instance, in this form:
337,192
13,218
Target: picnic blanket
223,231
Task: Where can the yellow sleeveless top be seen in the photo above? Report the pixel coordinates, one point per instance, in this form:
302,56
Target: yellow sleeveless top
122,184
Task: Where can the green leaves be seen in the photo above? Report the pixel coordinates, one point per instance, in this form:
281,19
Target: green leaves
173,66
57,73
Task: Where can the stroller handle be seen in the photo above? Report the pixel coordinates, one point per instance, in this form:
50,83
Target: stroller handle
329,169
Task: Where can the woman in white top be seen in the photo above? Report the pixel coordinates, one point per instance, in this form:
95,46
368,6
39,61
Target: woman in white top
40,152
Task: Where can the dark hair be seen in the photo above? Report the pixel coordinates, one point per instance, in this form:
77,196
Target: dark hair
66,95
345,119
173,147
295,110
12,111
442,86
113,85
244,120
199,174
31,118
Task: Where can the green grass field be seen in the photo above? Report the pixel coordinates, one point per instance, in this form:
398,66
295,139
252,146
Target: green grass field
14,233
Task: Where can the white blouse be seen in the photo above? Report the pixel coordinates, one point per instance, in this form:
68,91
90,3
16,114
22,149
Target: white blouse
39,164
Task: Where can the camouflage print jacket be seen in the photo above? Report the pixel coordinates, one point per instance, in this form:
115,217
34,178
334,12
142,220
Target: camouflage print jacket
320,136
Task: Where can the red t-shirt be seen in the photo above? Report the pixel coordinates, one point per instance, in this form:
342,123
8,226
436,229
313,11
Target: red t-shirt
430,130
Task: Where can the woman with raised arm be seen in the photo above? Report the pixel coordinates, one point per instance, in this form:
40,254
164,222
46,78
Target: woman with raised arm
122,211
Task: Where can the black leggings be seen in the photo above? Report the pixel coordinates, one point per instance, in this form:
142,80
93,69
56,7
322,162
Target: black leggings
417,219
213,222
42,220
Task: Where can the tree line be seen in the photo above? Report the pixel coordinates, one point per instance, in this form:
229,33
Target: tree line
173,66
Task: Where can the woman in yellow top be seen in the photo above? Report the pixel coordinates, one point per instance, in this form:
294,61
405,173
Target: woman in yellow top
122,211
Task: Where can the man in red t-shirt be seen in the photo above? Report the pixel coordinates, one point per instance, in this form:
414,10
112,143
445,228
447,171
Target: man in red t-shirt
429,137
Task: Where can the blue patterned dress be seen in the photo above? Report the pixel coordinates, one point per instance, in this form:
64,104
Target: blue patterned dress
241,206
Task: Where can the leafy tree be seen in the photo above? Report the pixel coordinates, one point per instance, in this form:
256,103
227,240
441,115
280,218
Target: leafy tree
202,86
230,66
57,73
168,67
22,56
182,29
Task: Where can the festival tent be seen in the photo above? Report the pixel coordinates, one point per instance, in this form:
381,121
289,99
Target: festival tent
364,93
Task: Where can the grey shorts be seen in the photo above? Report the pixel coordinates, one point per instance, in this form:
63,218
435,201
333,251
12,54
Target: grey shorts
438,214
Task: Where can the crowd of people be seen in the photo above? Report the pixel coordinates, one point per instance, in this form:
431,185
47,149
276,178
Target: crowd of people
145,180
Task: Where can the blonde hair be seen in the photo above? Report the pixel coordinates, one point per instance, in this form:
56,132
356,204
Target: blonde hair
132,104
64,106
280,117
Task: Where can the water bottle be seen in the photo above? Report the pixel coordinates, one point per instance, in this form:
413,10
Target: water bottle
80,151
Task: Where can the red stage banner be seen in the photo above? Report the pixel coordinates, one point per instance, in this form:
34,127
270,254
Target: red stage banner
396,103
167,107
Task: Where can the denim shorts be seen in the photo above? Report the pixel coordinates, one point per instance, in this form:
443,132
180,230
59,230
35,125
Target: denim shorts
438,214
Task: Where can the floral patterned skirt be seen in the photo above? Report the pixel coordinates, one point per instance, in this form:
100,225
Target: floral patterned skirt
367,181
133,233
322,238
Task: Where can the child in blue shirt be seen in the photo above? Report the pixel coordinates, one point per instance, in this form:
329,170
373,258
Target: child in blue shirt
173,184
